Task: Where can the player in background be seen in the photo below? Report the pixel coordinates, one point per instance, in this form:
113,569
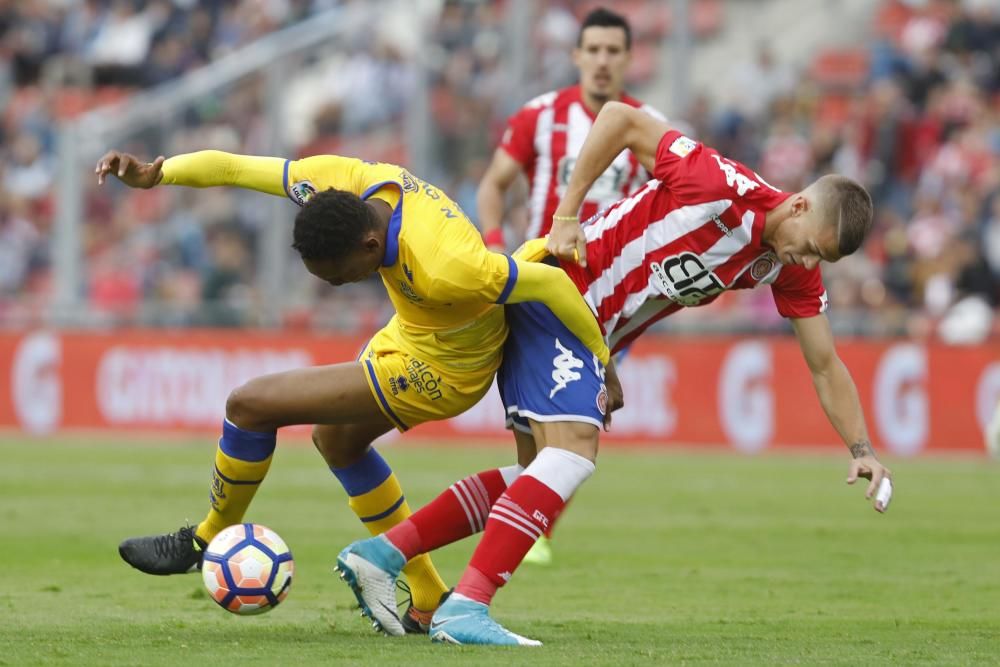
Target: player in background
543,139
704,225
434,359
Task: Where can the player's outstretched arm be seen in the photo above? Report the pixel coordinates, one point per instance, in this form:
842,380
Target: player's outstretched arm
839,398
202,169
618,126
496,181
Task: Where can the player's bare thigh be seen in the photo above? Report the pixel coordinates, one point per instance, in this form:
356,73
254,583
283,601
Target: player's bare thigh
578,437
526,448
337,394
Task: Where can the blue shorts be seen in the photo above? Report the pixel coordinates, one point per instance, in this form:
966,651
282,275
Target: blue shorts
547,374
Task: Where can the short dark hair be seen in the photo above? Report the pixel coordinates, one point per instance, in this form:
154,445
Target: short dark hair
331,224
850,208
605,18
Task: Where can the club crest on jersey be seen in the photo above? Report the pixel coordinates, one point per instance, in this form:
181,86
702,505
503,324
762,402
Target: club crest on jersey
408,292
602,400
762,266
301,192
409,183
684,279
682,146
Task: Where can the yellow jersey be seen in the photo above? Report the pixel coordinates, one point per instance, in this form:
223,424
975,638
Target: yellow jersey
444,283
441,279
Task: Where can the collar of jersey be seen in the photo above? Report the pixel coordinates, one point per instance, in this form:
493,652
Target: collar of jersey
395,223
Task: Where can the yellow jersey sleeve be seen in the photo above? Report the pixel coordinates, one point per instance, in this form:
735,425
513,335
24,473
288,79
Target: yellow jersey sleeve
296,179
476,274
206,169
551,286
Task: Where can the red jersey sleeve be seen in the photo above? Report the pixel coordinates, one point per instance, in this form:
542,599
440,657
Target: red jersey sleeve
695,173
689,168
799,292
519,137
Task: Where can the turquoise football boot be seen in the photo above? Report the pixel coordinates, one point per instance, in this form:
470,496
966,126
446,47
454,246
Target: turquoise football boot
370,567
463,621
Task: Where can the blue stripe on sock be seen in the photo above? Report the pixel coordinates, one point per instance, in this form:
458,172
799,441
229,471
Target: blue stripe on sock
246,445
382,515
365,475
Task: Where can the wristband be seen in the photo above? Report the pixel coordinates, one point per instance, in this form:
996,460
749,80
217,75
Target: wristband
494,237
566,218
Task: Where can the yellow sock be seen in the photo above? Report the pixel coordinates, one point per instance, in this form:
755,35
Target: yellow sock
241,462
377,499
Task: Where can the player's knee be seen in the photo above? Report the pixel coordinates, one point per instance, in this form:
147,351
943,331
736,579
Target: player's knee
578,437
245,407
325,443
340,446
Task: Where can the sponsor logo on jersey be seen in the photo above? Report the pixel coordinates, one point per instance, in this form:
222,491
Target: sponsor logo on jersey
682,146
684,279
735,179
562,368
762,266
722,226
423,380
301,192
398,384
608,186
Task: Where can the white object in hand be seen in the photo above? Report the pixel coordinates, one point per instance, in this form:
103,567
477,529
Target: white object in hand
884,494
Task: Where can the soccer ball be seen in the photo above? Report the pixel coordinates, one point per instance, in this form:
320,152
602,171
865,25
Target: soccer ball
247,569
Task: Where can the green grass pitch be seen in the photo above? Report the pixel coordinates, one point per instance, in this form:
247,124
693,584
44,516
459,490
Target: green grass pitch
678,557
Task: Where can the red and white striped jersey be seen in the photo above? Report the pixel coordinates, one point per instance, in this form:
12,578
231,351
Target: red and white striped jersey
685,237
545,137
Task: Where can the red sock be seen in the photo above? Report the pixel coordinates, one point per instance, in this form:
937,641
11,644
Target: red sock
517,519
552,524
460,511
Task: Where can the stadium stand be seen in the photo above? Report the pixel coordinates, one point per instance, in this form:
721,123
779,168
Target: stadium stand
912,109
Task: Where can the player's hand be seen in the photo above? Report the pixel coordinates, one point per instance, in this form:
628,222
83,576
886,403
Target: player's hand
616,398
129,169
870,468
567,241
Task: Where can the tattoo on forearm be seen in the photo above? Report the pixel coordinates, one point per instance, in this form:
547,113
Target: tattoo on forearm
862,448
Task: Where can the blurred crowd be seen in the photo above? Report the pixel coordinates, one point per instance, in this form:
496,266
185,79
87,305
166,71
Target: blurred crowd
914,113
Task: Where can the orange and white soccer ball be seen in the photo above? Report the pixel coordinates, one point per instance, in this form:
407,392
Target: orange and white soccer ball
247,569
